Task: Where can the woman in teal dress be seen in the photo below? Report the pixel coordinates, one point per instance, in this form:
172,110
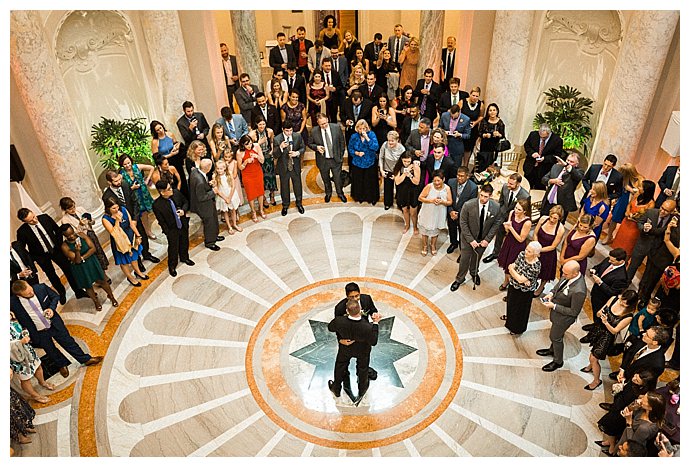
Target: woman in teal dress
134,175
80,251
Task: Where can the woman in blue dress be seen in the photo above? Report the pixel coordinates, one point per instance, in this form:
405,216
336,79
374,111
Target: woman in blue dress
364,174
125,240
596,204
164,143
133,174
632,184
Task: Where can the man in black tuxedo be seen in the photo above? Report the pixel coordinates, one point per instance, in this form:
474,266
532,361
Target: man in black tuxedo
21,264
300,47
659,256
119,189
428,93
203,202
645,354
35,307
370,90
604,173
268,112
669,184
328,143
410,122
452,96
41,237
193,126
511,192
335,87
356,108
281,55
372,50
288,148
230,71
170,209
352,292
356,338
541,148
652,227
448,63
462,189
561,183
610,279
296,81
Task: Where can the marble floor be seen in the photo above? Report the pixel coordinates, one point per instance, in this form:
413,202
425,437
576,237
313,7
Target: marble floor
232,356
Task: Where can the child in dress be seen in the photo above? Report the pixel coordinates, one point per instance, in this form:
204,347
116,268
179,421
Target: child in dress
227,198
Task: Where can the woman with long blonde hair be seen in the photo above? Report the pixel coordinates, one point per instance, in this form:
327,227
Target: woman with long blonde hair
596,204
632,184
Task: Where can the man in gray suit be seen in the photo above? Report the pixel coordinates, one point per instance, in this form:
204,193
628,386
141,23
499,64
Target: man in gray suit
462,189
565,303
202,202
561,182
328,144
288,148
396,43
246,96
511,192
478,225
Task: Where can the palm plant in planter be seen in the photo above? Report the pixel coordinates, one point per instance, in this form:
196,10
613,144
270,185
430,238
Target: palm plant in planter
568,117
112,138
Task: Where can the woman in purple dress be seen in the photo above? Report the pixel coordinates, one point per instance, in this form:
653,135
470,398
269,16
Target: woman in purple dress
549,233
579,243
517,229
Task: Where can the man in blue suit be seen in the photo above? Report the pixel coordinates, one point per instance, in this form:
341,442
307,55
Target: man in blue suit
234,126
457,126
462,190
35,307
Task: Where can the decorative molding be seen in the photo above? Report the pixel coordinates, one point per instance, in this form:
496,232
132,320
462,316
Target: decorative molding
84,34
596,29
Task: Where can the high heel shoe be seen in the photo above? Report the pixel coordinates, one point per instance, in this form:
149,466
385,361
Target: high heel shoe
263,215
98,305
145,277
590,388
114,303
424,252
254,219
135,284
503,287
266,205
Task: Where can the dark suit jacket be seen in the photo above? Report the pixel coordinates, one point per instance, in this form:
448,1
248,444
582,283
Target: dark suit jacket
468,192
337,140
666,181
26,259
280,156
447,166
566,192
654,362
647,240
375,93
552,148
272,120
275,58
432,98
47,297
335,81
451,65
365,302
659,255
444,101
163,211
28,240
245,101
614,186
201,196
295,48
343,69
612,284
131,200
371,56
364,333
347,111
301,87
188,135
505,208
406,128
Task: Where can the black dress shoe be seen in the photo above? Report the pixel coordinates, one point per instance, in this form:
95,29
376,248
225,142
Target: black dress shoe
220,238
141,265
613,375
151,258
189,262
81,294
213,247
327,198
342,198
477,280
63,299
300,209
489,258
553,366
172,272
283,212
330,388
588,327
452,248
545,352
456,284
606,406
358,400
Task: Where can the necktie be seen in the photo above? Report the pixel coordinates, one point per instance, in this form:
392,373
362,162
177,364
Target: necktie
328,79
676,182
39,314
510,199
561,286
453,99
292,83
120,195
335,64
554,189
376,51
639,353
397,49
542,142
481,222
47,244
290,163
329,144
662,221
371,88
178,222
356,112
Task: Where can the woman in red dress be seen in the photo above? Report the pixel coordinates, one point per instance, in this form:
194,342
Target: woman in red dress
249,160
628,232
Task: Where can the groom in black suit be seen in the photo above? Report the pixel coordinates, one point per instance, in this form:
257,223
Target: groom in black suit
606,173
170,209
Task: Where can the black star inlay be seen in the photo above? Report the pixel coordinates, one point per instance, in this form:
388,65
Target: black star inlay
321,353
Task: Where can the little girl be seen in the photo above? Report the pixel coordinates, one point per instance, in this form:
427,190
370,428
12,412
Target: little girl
227,200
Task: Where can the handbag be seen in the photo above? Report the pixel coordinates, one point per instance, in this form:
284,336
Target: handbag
503,145
122,242
344,178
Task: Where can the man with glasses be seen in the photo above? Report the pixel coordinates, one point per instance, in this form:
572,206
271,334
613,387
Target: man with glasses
170,209
246,96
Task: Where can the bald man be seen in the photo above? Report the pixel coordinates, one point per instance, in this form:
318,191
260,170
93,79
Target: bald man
652,226
202,201
565,303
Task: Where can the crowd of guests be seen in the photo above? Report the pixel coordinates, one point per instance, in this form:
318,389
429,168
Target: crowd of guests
417,139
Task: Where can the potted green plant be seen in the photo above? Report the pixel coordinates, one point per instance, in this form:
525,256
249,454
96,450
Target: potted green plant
112,138
568,117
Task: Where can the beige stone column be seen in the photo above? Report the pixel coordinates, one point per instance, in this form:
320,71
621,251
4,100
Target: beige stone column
45,97
166,48
634,82
431,41
246,44
508,63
